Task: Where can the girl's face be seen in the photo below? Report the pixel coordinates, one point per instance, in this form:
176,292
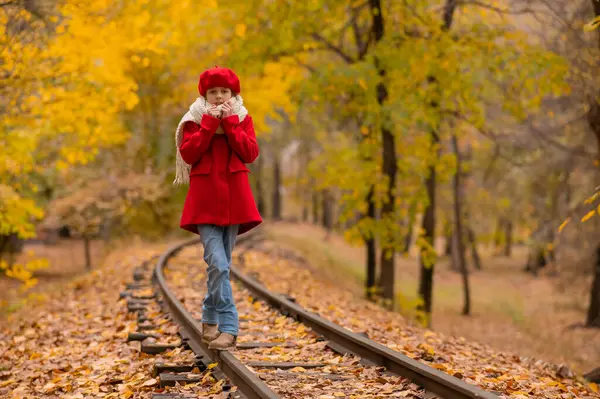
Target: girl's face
218,95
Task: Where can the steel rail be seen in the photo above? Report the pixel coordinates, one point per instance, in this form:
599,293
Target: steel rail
340,339
247,382
343,340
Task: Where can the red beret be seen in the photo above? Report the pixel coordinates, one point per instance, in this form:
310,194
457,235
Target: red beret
218,77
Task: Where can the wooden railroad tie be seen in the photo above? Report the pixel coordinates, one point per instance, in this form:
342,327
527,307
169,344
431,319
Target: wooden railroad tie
154,349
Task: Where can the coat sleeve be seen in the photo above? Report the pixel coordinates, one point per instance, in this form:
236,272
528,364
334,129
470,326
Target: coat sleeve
197,138
241,137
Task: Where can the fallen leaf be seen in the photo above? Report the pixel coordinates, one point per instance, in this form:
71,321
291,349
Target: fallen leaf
49,387
6,383
150,382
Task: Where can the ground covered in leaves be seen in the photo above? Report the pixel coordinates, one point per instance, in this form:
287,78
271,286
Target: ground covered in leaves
510,374
511,310
316,371
73,345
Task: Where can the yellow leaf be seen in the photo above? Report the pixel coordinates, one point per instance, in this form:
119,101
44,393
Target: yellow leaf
594,387
591,199
212,366
588,216
339,394
240,30
429,334
6,383
427,348
562,226
590,26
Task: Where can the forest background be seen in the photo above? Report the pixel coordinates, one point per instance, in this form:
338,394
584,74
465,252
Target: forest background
402,142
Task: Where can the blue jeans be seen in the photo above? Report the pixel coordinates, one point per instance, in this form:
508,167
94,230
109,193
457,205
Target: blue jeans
219,307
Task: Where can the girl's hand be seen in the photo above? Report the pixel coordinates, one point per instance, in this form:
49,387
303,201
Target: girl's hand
213,111
227,109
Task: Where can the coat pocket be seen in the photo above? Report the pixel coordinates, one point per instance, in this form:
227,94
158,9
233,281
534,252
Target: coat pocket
236,164
203,166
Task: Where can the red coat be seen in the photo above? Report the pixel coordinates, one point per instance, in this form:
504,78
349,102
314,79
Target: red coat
219,191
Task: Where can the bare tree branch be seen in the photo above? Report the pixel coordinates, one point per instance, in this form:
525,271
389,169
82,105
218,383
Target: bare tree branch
490,135
333,48
361,44
579,150
449,13
304,65
493,160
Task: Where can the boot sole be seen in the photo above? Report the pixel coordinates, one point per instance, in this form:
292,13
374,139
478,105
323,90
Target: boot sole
208,341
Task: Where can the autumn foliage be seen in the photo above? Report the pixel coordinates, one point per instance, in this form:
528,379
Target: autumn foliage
393,122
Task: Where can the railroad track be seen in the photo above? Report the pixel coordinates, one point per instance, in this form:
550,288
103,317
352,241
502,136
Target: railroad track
320,356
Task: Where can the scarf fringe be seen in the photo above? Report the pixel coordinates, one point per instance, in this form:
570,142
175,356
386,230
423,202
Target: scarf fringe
195,113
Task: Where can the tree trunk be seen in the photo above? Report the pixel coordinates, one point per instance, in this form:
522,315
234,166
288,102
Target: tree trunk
466,159
428,226
593,315
409,236
458,229
428,223
301,189
507,237
498,236
327,210
389,162
448,239
593,318
276,188
315,206
88,256
371,262
454,261
473,244
536,259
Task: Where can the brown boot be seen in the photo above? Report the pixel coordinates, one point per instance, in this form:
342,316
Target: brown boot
210,332
225,342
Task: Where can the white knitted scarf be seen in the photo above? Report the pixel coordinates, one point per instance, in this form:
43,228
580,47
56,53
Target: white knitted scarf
197,109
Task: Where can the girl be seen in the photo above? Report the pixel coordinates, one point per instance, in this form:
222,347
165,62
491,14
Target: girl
215,139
